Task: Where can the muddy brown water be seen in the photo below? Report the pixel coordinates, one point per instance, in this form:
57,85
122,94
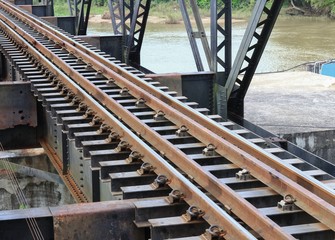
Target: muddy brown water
294,40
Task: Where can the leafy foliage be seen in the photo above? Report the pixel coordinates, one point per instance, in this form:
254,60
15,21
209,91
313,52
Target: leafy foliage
316,6
325,5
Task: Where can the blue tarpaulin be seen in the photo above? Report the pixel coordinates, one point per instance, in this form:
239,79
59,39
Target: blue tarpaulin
328,69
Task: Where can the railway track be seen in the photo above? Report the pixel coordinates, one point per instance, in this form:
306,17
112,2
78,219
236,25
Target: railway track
130,138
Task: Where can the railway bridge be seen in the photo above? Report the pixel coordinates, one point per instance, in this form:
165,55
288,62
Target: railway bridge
143,159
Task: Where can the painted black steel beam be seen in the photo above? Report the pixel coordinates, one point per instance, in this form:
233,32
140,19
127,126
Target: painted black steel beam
250,52
129,18
83,17
115,12
221,37
81,10
199,33
136,32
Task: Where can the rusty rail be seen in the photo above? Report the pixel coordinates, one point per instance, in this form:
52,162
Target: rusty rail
268,175
244,210
314,186
192,195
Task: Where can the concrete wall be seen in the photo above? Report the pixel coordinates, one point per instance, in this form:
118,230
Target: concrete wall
37,179
321,143
39,193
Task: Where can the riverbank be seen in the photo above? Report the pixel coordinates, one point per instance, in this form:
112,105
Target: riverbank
99,18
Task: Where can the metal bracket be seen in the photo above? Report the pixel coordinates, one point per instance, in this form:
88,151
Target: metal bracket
277,140
209,150
287,204
244,174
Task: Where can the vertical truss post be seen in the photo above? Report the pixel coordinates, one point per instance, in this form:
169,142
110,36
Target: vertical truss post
221,50
192,35
81,10
252,47
221,10
127,9
115,12
129,18
50,7
73,7
83,17
136,32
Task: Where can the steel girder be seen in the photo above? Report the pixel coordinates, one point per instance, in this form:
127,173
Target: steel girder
129,18
73,7
137,29
81,10
50,7
218,55
115,13
192,35
221,49
83,17
251,49
121,13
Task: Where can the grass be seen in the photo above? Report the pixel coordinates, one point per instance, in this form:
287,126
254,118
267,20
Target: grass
61,8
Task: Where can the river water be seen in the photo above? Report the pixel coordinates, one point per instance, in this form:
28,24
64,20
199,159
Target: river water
294,40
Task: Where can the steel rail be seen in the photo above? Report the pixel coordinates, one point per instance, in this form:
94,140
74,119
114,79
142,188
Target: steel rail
191,194
269,159
296,175
267,175
242,208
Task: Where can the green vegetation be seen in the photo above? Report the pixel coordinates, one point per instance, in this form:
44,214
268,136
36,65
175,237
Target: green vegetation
61,8
326,6
169,9
314,7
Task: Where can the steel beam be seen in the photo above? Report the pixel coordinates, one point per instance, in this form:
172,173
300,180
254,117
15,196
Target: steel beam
193,35
221,10
103,220
136,31
50,7
129,18
257,34
115,12
81,10
17,110
84,14
121,13
221,48
72,5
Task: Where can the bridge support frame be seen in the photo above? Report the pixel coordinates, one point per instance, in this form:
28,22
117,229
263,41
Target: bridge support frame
193,35
221,51
129,18
81,10
250,52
